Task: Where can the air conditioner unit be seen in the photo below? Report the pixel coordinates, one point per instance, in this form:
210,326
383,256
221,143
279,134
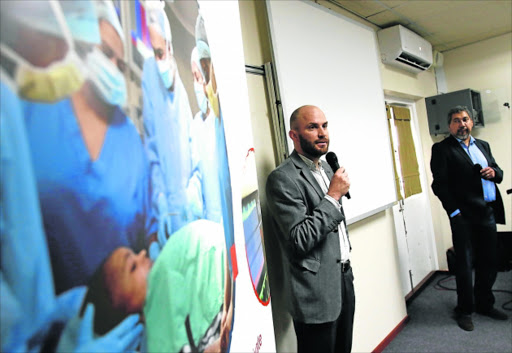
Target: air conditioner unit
405,49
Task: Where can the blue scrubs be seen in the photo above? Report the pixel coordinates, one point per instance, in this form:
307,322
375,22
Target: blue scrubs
89,207
204,142
26,283
167,119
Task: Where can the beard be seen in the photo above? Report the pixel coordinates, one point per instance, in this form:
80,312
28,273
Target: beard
462,133
311,149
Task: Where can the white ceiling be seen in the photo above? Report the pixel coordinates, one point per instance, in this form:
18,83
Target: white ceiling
445,24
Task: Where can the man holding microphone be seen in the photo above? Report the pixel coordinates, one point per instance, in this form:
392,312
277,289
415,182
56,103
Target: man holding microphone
304,198
465,176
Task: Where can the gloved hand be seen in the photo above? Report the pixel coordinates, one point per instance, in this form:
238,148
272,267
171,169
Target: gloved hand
154,250
164,221
78,335
68,304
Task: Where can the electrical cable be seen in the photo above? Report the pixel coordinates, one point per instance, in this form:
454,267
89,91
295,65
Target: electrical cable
440,286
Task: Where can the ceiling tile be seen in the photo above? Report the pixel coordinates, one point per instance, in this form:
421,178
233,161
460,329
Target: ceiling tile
445,24
387,19
362,8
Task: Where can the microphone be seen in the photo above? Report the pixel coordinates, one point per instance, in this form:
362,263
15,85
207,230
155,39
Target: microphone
477,168
331,158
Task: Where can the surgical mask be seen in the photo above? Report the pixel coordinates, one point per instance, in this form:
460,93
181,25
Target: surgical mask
52,84
106,78
57,81
166,68
202,101
213,99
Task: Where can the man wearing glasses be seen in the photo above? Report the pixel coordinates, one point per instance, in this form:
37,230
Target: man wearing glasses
465,176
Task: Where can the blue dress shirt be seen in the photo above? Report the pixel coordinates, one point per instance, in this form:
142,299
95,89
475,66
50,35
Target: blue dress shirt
489,188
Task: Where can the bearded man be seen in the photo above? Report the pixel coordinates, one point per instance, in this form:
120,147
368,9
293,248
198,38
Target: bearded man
465,176
304,199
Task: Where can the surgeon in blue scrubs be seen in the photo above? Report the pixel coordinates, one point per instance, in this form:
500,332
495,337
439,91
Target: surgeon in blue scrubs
32,318
204,143
175,178
90,165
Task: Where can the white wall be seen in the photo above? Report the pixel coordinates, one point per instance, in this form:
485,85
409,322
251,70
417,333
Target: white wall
380,305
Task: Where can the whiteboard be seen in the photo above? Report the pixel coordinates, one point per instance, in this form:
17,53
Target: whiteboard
325,59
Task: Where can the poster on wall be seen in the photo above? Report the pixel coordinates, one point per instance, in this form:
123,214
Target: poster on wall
130,207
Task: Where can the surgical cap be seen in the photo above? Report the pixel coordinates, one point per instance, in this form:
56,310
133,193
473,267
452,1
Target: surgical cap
80,17
106,11
157,18
82,20
203,48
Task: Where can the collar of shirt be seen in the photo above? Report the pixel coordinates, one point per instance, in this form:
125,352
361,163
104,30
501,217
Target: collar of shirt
471,141
311,164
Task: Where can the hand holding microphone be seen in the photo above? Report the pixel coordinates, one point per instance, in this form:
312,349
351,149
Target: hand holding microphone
485,173
339,182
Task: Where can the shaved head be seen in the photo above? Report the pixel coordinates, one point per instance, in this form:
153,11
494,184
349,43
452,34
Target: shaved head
298,113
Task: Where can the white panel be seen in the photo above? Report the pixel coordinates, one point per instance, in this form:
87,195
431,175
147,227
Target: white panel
325,59
253,328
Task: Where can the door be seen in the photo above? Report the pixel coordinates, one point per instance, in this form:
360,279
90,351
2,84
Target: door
412,216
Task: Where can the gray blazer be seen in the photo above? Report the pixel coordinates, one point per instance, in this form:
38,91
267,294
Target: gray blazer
306,225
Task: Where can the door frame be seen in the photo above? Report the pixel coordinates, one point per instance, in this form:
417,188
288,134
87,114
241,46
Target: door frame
405,264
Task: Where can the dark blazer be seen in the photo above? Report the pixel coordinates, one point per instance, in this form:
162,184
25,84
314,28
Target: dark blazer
458,185
306,225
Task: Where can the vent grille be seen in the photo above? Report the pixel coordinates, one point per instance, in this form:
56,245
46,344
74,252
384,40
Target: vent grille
412,61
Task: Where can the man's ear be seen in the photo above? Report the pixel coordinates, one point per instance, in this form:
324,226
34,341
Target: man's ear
292,134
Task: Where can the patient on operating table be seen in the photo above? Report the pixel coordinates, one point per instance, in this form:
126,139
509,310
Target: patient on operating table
180,295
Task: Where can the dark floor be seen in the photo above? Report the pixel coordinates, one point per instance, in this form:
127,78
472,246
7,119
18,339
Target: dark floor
432,328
